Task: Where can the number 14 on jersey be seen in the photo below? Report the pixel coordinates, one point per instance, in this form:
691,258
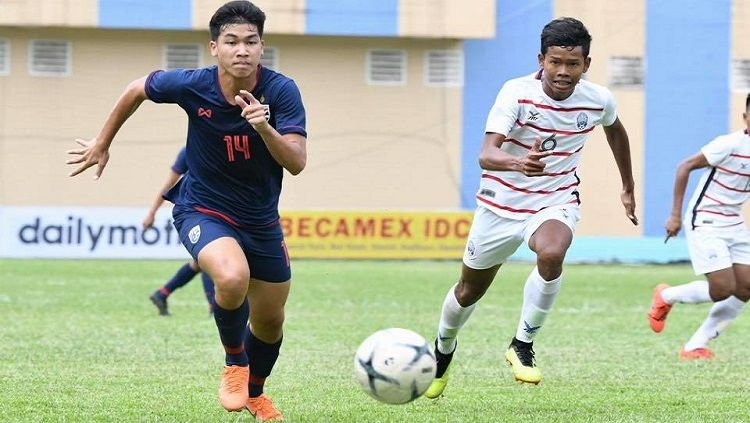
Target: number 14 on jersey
239,144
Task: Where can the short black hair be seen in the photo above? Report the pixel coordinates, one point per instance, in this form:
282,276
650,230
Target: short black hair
747,103
236,12
566,32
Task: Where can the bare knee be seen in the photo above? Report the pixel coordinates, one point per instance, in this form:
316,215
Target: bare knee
549,260
742,292
268,327
231,287
468,294
719,292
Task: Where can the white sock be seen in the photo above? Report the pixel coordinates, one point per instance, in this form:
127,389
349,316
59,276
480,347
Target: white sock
721,315
695,292
538,297
452,318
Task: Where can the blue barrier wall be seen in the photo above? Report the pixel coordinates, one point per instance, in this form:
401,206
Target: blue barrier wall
687,93
489,63
147,14
344,17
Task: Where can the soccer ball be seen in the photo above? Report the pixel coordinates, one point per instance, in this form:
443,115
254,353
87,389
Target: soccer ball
395,365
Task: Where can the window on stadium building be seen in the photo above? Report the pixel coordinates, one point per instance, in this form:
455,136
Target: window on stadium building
386,67
50,57
444,68
182,56
625,72
4,57
741,75
270,58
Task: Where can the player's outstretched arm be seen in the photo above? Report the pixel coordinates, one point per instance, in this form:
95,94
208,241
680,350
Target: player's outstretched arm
289,150
491,157
96,151
674,222
617,137
172,179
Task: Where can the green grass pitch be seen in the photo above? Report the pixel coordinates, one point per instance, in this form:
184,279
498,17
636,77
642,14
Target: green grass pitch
79,341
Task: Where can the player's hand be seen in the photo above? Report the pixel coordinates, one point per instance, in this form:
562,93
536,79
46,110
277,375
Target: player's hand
148,221
532,164
252,110
628,201
673,226
90,154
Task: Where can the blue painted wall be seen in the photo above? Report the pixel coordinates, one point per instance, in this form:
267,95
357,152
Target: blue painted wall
351,17
147,14
489,63
687,93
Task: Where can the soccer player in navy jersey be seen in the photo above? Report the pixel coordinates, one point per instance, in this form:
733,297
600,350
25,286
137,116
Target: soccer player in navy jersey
187,272
246,124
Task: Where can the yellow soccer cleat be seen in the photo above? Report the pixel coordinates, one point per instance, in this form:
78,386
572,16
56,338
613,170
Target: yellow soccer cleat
437,386
520,356
443,362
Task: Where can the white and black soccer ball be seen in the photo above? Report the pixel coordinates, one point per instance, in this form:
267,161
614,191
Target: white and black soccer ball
395,365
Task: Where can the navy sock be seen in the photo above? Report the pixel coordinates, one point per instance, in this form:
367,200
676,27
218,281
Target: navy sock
232,326
183,276
208,289
262,357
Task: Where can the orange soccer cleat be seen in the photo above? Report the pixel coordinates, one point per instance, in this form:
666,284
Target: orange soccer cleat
657,316
233,389
696,354
262,409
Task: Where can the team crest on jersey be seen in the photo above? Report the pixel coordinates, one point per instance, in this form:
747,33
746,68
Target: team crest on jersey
533,116
195,234
268,111
471,249
582,120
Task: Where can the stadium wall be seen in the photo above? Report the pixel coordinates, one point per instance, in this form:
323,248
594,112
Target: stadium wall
374,148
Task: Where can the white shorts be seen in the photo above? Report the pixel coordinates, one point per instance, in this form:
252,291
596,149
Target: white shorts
713,249
492,238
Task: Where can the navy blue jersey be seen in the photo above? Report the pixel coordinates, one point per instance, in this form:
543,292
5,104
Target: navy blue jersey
232,173
180,163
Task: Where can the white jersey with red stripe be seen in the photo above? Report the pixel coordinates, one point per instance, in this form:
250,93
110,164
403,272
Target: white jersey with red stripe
522,112
725,186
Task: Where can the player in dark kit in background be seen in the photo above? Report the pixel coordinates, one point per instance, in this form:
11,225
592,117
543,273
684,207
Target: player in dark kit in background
187,272
246,125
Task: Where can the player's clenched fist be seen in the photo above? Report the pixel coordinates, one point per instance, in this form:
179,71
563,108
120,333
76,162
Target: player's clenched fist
673,226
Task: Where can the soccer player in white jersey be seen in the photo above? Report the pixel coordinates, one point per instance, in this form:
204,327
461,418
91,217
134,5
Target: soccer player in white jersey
718,240
529,189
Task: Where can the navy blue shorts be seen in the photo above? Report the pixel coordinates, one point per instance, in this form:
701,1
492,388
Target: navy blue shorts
264,247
